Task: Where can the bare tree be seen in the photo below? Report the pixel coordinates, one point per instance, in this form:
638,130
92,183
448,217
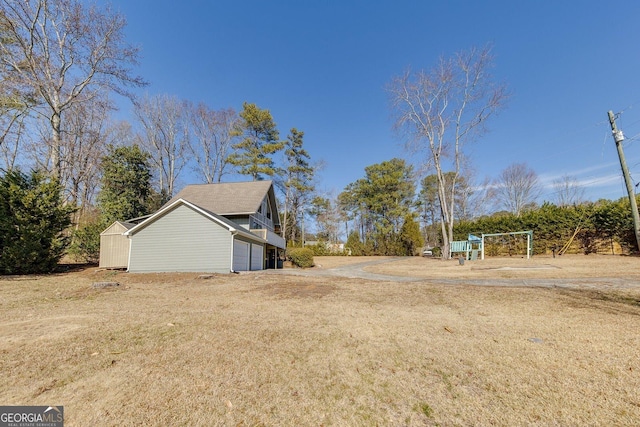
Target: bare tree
441,110
86,132
121,133
60,50
517,188
214,132
165,136
15,99
476,200
13,130
327,217
568,191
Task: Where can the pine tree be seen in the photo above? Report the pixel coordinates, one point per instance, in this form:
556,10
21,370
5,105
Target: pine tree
298,181
379,203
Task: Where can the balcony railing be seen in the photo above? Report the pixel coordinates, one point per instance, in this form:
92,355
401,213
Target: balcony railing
271,237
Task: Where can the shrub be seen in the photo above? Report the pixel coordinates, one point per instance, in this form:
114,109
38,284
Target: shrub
322,249
301,257
33,218
319,249
85,242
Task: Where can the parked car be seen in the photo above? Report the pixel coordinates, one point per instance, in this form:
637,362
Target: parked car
427,252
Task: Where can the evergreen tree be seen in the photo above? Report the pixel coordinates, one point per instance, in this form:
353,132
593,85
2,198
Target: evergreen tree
126,194
32,221
259,143
126,184
380,202
85,241
298,182
410,236
355,245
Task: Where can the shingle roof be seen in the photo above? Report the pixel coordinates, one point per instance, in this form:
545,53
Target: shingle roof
229,198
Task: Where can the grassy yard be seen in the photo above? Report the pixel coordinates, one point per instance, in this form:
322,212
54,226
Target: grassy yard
259,349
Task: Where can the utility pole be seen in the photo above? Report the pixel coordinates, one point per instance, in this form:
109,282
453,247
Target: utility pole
618,137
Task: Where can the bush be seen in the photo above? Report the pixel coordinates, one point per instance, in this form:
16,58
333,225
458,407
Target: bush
301,257
319,250
33,218
85,242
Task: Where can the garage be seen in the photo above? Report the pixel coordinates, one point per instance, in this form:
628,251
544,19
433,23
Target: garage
240,255
257,257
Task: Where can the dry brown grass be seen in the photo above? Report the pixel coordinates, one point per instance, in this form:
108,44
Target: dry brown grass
539,266
259,349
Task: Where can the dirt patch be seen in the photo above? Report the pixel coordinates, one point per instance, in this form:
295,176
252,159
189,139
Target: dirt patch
299,289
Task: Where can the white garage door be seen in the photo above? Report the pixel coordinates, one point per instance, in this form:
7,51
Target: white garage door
257,257
240,255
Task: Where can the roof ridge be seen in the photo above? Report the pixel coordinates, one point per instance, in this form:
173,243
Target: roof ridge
228,183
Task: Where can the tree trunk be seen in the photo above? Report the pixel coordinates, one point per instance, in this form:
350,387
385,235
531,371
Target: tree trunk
284,223
56,144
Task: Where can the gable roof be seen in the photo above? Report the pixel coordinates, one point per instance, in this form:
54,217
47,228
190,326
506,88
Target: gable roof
118,227
230,198
229,225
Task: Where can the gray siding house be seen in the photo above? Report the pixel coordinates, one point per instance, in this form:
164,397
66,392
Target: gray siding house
217,228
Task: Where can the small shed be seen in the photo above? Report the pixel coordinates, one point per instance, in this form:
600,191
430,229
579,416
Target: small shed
114,246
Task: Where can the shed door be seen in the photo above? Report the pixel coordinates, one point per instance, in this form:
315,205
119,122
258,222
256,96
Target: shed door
257,257
240,255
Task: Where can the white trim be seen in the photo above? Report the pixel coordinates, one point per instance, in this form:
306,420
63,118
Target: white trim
233,242
129,256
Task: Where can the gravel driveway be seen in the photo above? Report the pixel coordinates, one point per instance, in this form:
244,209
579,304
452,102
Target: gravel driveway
356,271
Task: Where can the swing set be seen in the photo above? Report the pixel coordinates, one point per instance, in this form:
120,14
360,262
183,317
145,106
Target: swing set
474,245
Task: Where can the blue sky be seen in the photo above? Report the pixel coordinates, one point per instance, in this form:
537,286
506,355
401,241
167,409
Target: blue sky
322,66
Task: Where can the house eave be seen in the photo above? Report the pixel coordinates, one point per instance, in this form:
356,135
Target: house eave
198,209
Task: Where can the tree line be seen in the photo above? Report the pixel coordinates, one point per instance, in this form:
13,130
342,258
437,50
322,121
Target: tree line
386,213
61,65
604,226
63,61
